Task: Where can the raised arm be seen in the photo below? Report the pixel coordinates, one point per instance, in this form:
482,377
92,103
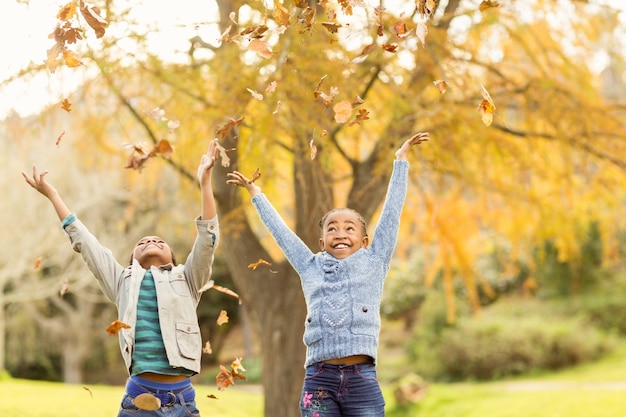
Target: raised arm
402,154
39,183
204,176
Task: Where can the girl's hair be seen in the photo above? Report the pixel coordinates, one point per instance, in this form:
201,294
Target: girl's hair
130,262
335,210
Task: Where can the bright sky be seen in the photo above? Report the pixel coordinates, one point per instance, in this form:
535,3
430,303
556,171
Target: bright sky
25,25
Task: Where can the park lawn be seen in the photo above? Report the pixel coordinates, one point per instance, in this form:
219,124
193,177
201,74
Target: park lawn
26,398
590,390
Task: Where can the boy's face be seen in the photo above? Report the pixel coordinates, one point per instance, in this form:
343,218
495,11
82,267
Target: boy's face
342,234
152,250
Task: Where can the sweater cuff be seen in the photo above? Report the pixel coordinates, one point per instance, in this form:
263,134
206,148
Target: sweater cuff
68,220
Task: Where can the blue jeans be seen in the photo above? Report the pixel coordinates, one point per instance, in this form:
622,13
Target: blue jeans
341,391
183,409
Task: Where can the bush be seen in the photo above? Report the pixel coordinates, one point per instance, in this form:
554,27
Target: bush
492,347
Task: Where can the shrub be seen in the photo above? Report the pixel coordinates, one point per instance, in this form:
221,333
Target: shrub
496,347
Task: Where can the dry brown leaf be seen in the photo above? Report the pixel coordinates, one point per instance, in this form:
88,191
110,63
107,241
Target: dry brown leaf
66,105
486,107
441,85
254,265
222,318
116,326
261,48
343,111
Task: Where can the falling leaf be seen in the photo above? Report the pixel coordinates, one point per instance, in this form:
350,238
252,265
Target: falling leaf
64,287
441,85
67,12
255,175
281,14
223,156
93,18
255,95
212,396
364,53
37,264
157,114
224,379
421,32
254,265
225,290
401,29
115,327
332,27
71,59
271,87
66,105
362,115
343,111
313,148
426,8
225,36
486,107
225,129
261,48
278,103
390,47
164,148
173,125
487,4
236,366
88,390
323,133
207,348
58,141
222,318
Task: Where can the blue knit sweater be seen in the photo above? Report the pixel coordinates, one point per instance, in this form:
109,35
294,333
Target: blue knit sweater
342,295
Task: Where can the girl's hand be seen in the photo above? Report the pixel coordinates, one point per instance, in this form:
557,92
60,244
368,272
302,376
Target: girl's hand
39,183
238,179
403,152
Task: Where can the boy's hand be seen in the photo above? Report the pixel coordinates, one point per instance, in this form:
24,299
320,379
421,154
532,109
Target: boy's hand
416,139
207,163
238,179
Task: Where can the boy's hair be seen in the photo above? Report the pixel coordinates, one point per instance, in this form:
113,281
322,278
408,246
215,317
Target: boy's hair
356,213
130,262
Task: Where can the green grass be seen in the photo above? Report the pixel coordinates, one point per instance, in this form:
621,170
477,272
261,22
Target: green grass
590,390
20,398
582,391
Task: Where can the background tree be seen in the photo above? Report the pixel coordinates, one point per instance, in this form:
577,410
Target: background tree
545,168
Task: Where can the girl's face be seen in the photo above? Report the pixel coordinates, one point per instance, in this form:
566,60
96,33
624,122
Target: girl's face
342,234
152,250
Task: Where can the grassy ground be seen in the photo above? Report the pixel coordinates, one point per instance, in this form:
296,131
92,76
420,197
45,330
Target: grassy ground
591,390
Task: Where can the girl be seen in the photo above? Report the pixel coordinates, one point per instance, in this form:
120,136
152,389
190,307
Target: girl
342,286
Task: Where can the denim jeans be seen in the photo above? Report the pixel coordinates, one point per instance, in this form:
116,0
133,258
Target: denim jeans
341,391
180,409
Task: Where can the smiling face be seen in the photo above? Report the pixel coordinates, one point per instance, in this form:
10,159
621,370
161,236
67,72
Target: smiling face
343,233
152,250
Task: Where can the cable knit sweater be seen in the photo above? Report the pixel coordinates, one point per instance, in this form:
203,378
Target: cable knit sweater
342,295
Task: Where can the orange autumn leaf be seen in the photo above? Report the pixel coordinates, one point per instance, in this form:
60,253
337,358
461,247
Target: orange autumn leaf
71,59
224,130
362,115
332,27
116,326
58,141
91,14
67,12
390,47
224,379
487,4
486,107
163,148
254,265
261,48
441,85
401,29
225,290
426,8
222,318
255,175
37,264
66,105
343,111
236,367
281,14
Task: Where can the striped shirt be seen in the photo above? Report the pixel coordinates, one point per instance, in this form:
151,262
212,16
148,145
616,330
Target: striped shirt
149,354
